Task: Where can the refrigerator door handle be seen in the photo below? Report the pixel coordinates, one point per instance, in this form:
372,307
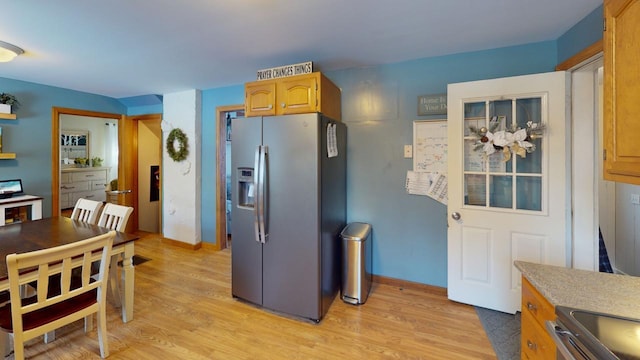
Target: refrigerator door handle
263,209
256,190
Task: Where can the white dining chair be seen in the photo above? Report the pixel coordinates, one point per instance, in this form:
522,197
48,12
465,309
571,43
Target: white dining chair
115,217
86,210
61,298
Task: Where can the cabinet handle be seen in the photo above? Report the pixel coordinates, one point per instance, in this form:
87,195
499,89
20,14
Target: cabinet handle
270,107
532,345
68,187
89,175
283,105
531,306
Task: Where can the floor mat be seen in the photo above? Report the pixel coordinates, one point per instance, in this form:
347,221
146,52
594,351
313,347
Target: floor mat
503,331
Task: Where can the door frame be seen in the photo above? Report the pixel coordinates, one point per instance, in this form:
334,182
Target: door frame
128,154
135,120
55,147
221,171
585,155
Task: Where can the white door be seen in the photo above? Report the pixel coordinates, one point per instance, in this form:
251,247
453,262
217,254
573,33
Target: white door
507,200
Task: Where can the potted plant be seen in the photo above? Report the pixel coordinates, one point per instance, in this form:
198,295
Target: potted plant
81,162
96,162
6,101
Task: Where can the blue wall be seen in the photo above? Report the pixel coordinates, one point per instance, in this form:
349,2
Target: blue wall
581,35
30,135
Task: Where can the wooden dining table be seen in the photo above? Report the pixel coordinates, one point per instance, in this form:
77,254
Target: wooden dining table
50,232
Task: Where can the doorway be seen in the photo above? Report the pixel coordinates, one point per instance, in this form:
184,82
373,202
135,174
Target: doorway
593,198
127,173
57,159
149,140
224,117
88,158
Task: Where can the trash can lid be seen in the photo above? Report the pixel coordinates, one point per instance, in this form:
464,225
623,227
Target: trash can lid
356,231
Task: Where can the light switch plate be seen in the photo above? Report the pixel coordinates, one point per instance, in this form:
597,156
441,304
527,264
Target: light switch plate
408,151
635,199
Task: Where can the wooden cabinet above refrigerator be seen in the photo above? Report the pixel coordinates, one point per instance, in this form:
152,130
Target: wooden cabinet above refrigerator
308,93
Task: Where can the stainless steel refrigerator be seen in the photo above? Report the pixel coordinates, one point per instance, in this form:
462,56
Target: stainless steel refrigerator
289,206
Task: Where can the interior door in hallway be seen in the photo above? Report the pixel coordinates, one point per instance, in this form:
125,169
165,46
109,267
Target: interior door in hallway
149,185
506,203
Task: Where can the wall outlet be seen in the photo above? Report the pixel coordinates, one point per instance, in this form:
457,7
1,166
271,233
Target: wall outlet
635,199
408,151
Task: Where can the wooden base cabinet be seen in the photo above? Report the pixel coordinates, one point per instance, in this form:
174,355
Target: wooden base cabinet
299,94
89,183
536,343
621,88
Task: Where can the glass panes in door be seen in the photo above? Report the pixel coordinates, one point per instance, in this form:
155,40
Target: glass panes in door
503,142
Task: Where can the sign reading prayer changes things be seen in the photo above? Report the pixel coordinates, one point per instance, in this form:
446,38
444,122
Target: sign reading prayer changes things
284,71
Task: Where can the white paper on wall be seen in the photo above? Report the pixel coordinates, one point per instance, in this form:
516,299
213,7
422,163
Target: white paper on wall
332,142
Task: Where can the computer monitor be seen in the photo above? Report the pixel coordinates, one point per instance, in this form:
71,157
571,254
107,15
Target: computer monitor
10,187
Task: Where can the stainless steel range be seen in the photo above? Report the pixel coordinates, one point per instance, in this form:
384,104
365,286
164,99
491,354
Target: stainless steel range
581,334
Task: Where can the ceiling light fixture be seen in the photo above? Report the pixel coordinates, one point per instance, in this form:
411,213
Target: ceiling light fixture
9,51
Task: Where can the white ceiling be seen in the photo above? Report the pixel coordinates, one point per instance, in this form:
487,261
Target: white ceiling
124,48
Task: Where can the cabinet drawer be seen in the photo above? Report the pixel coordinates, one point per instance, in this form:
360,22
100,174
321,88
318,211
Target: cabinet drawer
76,186
88,175
535,304
536,343
89,195
65,178
98,185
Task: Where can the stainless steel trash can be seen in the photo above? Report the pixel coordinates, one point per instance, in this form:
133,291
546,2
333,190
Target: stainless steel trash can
356,263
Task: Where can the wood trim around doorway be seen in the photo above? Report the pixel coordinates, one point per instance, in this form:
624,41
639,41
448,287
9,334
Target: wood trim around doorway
55,148
585,54
221,171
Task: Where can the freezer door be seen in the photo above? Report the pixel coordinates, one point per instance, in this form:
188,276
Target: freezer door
291,254
246,253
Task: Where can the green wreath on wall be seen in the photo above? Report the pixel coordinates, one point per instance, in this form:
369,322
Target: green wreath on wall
183,146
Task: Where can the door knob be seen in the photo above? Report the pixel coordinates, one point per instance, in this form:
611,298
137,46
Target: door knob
455,215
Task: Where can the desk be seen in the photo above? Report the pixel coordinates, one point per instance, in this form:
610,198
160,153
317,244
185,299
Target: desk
50,232
30,201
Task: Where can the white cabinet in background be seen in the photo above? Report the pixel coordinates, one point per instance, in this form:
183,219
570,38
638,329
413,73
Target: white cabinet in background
89,183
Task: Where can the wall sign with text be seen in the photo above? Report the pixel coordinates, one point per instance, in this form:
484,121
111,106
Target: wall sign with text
284,71
432,104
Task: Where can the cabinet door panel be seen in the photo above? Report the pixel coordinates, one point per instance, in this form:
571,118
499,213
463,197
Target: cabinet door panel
298,95
260,98
621,86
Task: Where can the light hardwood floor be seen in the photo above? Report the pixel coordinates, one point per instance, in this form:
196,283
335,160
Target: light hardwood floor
184,310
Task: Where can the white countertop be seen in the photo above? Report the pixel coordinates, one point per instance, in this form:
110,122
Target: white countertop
20,198
595,291
79,169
